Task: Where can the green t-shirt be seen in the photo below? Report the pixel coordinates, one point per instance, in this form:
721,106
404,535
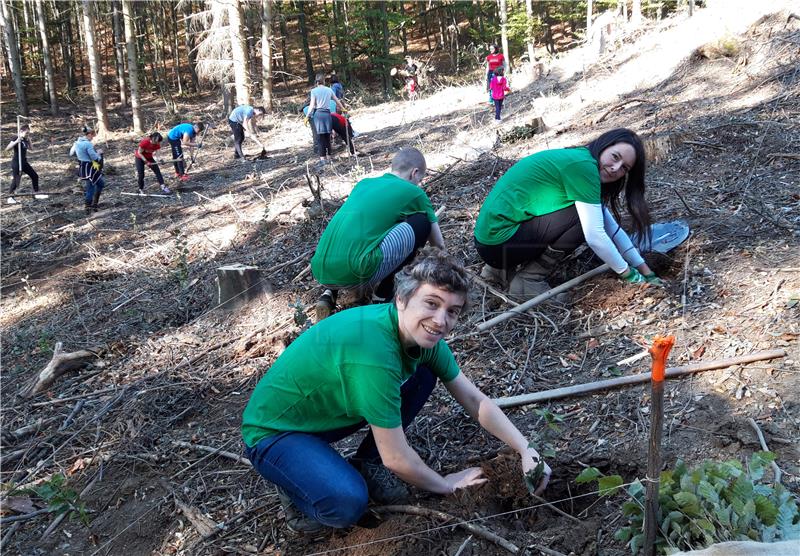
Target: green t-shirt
348,253
539,184
344,370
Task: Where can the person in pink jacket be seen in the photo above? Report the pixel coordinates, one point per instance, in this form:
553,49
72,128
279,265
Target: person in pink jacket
499,87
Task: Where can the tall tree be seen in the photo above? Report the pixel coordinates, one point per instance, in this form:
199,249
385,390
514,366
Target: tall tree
241,65
12,40
94,66
190,44
266,52
501,4
133,68
119,51
48,61
530,35
304,36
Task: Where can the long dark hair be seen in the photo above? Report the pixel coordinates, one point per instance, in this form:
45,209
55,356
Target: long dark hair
632,182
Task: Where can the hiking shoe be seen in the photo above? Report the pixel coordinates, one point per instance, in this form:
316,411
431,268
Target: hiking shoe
384,487
297,521
166,190
325,306
12,201
41,196
141,192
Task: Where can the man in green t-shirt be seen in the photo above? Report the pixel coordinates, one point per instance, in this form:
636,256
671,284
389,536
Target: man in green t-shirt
550,202
378,229
369,366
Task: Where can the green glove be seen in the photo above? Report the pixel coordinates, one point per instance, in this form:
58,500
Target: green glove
96,165
632,276
653,279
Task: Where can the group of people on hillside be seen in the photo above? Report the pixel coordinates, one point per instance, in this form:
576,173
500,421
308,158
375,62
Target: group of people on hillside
374,366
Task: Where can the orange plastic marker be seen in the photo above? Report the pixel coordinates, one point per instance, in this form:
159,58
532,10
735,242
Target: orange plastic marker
660,352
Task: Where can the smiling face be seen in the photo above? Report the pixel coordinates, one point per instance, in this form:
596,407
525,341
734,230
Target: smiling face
428,315
616,161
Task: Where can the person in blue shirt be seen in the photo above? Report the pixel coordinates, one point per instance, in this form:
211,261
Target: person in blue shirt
243,121
177,136
336,87
90,169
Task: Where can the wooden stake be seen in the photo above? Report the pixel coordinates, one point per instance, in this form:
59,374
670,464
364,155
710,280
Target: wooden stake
659,352
580,389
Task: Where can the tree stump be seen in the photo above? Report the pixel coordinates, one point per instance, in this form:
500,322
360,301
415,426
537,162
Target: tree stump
238,284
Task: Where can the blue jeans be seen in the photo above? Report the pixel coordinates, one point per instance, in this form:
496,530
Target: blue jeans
93,188
498,107
320,482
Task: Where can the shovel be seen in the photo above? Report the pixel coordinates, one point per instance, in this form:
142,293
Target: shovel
664,237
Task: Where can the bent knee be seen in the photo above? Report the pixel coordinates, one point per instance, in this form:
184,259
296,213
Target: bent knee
344,510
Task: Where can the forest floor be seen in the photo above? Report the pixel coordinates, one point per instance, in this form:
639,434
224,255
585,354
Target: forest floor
135,283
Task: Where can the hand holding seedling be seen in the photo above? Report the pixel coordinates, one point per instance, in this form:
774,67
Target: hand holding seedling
537,473
468,477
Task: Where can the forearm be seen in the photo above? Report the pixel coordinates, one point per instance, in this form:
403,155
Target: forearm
591,218
494,421
414,471
436,239
621,240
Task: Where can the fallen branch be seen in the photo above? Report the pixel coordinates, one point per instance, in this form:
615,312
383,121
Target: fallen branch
775,469
471,527
519,309
673,372
204,526
60,364
796,156
618,106
212,450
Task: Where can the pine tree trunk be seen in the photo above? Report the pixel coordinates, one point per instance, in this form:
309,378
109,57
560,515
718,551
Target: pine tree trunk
190,44
119,51
66,46
385,77
81,44
133,68
94,65
12,40
240,62
529,36
504,32
348,48
266,52
306,48
176,59
48,61
284,51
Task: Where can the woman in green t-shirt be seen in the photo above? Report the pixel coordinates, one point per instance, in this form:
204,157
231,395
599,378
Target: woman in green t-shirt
550,202
374,365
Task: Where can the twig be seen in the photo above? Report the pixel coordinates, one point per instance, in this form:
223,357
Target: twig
281,266
217,451
775,469
618,106
24,517
471,527
548,551
559,511
463,546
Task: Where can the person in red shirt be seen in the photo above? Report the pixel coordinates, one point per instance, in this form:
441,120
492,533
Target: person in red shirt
494,60
144,156
343,129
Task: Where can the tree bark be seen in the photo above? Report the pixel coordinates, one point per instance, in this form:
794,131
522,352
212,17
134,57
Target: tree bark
119,51
94,66
65,25
304,37
133,68
504,32
240,63
530,39
48,61
190,45
266,52
12,40
385,77
176,59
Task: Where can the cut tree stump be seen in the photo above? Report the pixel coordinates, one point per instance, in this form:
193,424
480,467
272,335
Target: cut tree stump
60,364
238,284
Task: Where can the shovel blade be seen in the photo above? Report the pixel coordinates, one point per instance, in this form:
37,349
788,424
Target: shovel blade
664,237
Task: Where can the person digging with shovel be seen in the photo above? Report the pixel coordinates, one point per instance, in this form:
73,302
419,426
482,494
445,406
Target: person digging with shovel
550,202
369,367
243,120
178,136
144,157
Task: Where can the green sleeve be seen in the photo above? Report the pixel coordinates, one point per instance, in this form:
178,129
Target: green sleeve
441,361
426,206
582,182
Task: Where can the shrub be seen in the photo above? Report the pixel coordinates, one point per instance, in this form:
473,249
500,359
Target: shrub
714,502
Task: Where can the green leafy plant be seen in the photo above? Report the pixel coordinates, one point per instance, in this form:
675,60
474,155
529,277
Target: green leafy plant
59,497
300,316
713,502
552,422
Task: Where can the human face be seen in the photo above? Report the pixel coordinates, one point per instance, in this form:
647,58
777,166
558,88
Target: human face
616,161
428,316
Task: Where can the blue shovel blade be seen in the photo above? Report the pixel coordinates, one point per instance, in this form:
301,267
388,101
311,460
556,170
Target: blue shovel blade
664,237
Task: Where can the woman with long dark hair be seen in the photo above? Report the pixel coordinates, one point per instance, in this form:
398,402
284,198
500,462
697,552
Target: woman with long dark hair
550,202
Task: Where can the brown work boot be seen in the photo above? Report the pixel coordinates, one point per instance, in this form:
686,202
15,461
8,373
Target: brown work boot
531,279
296,521
326,305
494,275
